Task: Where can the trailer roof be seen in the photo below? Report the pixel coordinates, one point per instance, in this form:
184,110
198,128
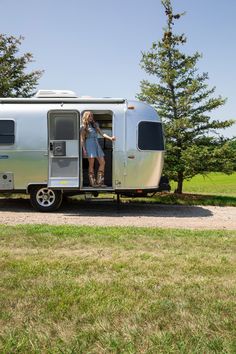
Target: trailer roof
63,100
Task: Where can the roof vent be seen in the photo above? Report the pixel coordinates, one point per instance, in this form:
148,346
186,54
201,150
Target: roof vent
55,93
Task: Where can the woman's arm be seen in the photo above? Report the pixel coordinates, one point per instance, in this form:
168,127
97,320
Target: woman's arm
111,138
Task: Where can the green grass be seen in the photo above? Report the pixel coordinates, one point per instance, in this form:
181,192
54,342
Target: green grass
70,289
213,183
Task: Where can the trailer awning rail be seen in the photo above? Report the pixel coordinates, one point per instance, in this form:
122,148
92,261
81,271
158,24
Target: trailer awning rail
61,100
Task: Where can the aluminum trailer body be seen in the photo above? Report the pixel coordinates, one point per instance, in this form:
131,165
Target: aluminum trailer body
40,146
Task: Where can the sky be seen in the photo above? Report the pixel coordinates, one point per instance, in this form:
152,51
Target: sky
93,47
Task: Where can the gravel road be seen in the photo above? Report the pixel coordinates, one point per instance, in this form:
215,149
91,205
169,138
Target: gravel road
105,213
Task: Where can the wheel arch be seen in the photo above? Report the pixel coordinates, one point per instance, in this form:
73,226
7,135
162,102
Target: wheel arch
32,186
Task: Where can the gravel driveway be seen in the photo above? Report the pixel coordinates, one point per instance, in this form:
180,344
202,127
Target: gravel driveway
104,213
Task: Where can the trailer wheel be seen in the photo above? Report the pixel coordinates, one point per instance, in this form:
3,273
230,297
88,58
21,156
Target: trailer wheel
45,199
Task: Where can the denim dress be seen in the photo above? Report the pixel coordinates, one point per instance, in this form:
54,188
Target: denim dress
92,145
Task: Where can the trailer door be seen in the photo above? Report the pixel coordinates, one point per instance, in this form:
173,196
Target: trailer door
63,149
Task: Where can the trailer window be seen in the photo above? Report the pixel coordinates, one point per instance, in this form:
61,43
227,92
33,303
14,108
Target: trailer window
7,132
63,126
150,136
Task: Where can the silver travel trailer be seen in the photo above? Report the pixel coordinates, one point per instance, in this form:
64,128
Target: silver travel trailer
40,151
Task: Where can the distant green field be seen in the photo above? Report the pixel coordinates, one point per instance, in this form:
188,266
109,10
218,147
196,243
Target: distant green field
214,183
69,289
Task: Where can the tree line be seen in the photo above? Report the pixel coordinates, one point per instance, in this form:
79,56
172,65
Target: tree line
180,95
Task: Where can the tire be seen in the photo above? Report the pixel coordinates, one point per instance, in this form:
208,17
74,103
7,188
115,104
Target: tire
45,199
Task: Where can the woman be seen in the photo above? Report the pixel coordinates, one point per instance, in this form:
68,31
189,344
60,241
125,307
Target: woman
92,149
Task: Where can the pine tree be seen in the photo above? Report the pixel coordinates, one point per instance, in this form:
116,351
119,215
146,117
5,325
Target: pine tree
14,81
184,101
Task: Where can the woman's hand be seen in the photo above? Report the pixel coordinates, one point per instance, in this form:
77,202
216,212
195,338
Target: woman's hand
84,152
111,138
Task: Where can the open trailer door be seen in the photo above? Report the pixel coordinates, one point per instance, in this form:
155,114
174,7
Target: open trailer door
63,146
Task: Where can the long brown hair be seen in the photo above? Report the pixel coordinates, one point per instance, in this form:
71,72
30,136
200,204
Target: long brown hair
85,122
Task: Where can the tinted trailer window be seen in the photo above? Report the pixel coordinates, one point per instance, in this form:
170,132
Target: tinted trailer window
7,132
150,136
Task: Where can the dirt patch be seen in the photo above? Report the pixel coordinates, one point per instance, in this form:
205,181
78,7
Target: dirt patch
19,211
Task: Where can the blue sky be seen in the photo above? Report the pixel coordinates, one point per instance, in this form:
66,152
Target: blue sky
93,47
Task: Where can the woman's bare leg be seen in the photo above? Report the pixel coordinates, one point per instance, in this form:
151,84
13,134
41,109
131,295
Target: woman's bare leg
91,164
101,162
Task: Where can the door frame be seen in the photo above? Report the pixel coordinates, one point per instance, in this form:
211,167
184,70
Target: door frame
112,114
64,182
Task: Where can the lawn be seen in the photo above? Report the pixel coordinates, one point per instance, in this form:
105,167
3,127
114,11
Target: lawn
213,183
117,290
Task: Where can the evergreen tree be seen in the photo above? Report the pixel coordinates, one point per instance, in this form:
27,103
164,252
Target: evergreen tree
184,101
14,81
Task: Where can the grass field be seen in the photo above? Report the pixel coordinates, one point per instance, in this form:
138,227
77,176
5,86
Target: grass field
213,183
117,290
